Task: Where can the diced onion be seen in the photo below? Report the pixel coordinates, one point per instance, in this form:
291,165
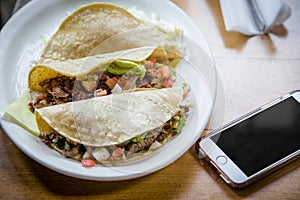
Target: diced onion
101,154
155,145
87,155
116,89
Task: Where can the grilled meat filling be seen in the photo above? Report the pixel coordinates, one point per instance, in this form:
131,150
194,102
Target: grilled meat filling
121,151
63,89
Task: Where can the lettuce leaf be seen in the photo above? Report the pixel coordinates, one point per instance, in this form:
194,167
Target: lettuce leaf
18,112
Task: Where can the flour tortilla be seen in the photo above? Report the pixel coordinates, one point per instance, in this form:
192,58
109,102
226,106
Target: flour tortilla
86,28
111,119
102,28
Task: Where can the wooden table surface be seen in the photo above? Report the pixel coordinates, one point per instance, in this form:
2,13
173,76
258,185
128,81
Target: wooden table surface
252,70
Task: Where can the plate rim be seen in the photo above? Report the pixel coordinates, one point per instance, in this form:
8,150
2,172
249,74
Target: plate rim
6,28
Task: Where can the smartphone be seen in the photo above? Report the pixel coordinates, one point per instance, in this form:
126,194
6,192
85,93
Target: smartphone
256,144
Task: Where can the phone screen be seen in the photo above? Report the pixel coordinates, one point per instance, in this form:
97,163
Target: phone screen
264,138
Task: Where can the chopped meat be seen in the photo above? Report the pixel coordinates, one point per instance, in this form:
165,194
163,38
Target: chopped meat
68,86
42,100
80,95
71,153
51,137
144,83
31,107
150,138
58,92
68,149
163,135
136,147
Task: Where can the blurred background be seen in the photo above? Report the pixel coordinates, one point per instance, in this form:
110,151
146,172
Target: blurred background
8,8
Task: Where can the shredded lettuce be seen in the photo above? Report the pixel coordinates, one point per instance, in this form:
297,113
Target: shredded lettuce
175,33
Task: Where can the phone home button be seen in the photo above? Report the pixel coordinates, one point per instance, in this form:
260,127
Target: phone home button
222,160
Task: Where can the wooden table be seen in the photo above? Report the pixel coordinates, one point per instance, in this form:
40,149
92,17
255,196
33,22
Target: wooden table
252,70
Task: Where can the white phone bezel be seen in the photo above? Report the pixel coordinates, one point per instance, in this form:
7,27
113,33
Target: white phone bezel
230,169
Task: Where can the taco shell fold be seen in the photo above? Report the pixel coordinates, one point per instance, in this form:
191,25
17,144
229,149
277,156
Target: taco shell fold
85,28
111,119
79,67
102,28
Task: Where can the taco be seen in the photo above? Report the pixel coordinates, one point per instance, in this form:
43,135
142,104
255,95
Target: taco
98,49
103,86
73,80
116,128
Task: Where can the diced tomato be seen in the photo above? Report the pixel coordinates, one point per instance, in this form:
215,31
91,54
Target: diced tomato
152,59
88,163
111,82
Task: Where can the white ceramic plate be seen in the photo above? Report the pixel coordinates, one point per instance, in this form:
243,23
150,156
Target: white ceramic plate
20,44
